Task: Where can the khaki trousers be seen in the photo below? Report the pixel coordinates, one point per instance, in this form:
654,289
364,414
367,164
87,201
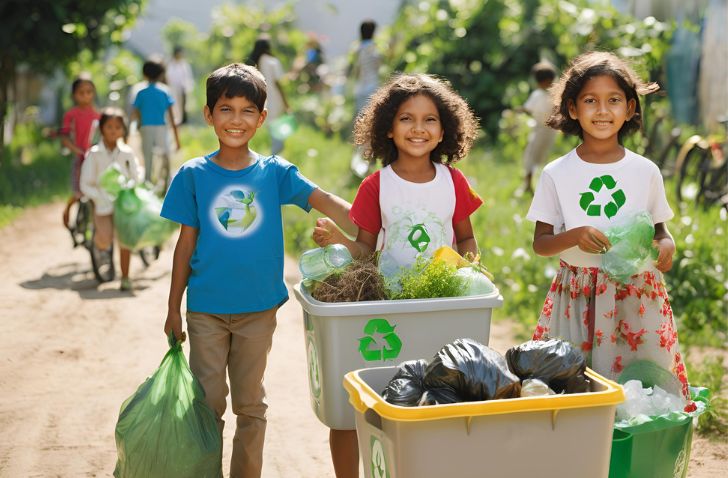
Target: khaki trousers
239,343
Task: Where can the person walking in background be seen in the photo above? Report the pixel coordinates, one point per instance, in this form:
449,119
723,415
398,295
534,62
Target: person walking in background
613,323
77,130
364,70
110,151
541,138
277,105
229,255
364,67
153,110
418,126
180,82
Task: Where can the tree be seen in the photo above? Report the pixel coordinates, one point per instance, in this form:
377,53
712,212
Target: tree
486,49
46,34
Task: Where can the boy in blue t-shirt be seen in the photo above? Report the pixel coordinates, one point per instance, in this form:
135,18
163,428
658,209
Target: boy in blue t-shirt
151,105
229,255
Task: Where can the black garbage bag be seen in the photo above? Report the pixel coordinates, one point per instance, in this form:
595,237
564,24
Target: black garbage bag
556,362
406,387
440,396
472,371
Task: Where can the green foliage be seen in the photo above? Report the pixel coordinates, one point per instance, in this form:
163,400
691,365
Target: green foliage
47,33
697,283
486,49
711,374
428,279
33,172
119,70
233,31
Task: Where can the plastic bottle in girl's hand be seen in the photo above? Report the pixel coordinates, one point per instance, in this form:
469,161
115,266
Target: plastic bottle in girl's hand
319,263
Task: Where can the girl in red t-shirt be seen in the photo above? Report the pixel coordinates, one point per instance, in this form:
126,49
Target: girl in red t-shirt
418,126
79,123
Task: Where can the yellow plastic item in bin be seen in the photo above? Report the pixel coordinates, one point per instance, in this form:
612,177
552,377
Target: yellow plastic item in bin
555,436
450,256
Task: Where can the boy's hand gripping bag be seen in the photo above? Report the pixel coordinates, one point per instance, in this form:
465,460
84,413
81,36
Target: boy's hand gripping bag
166,429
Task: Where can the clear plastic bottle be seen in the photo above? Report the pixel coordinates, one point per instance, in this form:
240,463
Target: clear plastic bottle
319,263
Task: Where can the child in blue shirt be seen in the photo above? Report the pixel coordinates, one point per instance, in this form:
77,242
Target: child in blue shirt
152,104
229,255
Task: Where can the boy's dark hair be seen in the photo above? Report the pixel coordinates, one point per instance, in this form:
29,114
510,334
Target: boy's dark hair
543,71
236,79
153,69
81,79
459,123
367,28
111,112
585,67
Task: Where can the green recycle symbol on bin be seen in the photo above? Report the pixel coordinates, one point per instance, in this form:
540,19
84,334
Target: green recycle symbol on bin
378,460
371,350
586,201
418,237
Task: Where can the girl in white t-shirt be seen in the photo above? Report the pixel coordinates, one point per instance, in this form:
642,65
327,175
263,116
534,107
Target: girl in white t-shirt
111,150
417,125
580,195
276,103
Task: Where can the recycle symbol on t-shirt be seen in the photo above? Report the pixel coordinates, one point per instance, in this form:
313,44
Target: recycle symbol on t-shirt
586,201
418,237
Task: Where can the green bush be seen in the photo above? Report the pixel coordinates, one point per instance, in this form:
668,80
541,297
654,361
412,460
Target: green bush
486,49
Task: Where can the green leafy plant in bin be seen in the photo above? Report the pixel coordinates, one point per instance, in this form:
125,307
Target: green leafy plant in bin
429,279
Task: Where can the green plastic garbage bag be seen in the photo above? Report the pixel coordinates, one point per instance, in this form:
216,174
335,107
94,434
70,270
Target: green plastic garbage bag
112,180
282,127
632,250
137,220
166,429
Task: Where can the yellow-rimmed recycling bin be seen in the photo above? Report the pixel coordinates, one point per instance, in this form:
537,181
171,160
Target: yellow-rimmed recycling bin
555,436
341,337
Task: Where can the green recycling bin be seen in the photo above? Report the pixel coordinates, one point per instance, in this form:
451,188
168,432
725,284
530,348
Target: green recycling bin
658,448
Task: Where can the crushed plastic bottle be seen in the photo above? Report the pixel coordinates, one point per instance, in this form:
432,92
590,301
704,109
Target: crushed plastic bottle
318,264
474,282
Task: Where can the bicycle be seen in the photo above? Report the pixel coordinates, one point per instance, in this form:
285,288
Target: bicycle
82,232
701,169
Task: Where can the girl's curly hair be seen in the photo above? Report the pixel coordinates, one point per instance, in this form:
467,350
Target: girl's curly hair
582,69
459,123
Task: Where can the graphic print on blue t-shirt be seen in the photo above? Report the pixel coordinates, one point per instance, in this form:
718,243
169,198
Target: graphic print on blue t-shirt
236,212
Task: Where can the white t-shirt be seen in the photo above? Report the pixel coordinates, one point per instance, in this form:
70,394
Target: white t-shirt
98,159
539,106
272,70
573,193
416,217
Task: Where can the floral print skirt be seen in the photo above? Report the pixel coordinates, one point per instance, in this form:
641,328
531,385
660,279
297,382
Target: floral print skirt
613,323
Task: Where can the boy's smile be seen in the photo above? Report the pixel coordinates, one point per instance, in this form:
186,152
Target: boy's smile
601,108
235,121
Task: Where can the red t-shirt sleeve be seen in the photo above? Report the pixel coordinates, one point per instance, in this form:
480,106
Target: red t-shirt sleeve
68,119
365,211
466,199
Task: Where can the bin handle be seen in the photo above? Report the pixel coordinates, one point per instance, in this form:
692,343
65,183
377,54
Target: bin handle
359,398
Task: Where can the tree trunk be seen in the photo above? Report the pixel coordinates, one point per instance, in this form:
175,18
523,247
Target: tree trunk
7,78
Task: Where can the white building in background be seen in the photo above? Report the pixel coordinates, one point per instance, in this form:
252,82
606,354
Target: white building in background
335,21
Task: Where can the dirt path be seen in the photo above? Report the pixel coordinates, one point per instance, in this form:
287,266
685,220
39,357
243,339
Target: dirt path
73,351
